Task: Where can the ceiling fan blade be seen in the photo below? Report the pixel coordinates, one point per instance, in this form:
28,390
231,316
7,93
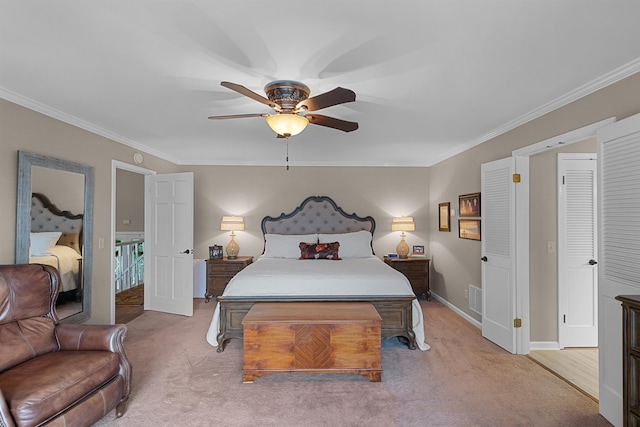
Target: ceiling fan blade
337,96
330,122
237,116
247,92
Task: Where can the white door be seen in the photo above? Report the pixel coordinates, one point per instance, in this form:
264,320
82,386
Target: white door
498,253
169,248
619,248
577,250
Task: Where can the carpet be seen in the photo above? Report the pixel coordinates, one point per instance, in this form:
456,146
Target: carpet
179,379
133,296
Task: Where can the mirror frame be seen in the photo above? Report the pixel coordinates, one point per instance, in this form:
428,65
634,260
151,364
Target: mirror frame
23,219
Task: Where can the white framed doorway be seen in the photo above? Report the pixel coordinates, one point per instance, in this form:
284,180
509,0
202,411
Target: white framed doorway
522,201
115,165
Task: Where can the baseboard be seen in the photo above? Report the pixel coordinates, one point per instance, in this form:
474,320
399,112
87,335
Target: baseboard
533,345
459,312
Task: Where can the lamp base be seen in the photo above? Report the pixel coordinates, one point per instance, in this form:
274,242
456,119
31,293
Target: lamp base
232,249
402,249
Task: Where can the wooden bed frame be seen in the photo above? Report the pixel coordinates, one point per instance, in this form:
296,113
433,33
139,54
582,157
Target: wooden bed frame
319,214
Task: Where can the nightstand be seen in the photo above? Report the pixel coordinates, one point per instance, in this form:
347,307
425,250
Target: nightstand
220,271
416,270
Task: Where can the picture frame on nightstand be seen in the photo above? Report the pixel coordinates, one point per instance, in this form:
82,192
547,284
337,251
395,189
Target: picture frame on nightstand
418,251
215,252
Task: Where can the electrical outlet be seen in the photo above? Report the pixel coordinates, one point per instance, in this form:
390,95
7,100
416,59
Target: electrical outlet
466,294
101,243
551,247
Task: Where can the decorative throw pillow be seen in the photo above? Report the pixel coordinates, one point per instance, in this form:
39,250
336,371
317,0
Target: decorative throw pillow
319,251
70,239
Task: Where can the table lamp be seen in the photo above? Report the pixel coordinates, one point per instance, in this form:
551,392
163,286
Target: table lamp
232,223
404,223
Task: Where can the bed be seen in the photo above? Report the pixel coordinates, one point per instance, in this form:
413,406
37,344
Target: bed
55,240
311,231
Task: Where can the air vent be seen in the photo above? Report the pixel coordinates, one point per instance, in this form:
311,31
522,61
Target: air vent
475,299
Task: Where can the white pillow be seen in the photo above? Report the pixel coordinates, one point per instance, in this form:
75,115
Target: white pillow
286,245
352,245
42,243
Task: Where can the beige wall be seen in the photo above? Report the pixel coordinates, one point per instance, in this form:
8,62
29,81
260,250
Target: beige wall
254,192
64,189
543,223
26,130
456,262
129,201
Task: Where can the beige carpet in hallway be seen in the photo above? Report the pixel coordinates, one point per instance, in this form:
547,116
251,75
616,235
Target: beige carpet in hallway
464,380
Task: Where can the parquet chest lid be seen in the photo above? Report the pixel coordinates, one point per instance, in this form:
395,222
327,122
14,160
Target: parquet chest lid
311,312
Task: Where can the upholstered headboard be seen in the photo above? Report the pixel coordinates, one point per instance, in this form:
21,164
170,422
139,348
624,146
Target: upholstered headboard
317,214
45,216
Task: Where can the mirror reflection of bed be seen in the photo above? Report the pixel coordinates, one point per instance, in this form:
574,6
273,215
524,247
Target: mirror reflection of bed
55,240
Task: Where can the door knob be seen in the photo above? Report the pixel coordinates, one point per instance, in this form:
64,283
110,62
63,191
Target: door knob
484,258
592,262
186,252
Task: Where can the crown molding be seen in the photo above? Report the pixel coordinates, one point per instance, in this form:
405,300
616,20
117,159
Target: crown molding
79,123
610,78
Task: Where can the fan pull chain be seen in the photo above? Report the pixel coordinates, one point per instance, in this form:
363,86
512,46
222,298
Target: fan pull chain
287,154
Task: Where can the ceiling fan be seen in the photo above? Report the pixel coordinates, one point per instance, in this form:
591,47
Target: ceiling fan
291,104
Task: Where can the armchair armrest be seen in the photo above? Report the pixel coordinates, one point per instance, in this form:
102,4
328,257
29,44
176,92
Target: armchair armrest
91,337
72,337
6,419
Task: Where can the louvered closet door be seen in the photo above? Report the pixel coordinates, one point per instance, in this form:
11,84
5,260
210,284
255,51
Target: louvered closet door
498,253
619,243
577,248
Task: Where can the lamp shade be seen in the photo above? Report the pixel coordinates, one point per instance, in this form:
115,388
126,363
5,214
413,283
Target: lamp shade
232,223
403,223
287,124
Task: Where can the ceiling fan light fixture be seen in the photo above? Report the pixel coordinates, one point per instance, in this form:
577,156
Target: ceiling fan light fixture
287,124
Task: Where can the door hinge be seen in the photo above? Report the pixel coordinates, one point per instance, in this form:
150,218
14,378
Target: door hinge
516,177
517,323
564,318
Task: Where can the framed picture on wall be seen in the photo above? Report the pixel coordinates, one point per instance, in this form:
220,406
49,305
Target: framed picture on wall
469,205
443,217
469,229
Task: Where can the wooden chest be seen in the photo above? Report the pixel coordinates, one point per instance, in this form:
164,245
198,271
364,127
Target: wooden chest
312,337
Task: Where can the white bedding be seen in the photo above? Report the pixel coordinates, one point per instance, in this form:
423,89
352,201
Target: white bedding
293,277
65,259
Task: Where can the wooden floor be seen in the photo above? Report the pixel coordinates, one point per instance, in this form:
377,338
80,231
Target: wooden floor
126,313
577,366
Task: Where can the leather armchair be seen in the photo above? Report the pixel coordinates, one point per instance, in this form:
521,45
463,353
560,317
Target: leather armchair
51,373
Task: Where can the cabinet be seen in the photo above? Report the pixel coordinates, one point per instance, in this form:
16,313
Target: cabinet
631,359
416,270
220,271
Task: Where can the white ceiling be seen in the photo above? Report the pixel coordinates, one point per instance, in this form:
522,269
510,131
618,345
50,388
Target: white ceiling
432,78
